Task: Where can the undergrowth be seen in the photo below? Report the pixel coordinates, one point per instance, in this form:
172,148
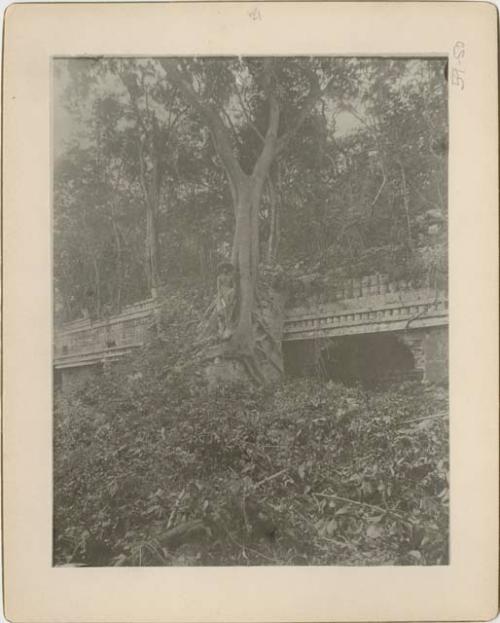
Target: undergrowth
151,469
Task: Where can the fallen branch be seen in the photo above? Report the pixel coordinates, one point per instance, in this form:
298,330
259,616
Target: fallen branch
176,506
443,415
268,478
246,547
365,504
341,543
179,532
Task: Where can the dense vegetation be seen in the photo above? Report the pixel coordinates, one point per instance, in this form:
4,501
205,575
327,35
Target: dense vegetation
360,186
292,174
306,474
151,469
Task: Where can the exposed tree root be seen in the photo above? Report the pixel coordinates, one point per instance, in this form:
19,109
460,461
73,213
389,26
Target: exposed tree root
255,356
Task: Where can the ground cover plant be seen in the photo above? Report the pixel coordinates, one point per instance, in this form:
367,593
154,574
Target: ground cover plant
304,472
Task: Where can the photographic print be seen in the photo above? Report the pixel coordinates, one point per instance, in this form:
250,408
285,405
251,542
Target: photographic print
250,296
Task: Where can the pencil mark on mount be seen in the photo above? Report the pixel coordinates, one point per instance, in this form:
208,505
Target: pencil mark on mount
251,310
459,51
255,14
458,70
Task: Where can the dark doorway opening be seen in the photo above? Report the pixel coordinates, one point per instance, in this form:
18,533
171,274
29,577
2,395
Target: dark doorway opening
374,359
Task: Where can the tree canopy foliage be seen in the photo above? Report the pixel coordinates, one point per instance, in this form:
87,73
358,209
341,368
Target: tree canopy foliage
143,198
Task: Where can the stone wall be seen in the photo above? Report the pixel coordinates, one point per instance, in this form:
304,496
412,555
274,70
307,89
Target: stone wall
428,346
68,379
436,353
430,350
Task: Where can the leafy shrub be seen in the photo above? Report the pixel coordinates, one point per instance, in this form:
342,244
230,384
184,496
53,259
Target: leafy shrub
156,471
152,469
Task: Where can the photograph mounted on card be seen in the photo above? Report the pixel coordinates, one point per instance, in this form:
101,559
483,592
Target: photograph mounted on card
240,286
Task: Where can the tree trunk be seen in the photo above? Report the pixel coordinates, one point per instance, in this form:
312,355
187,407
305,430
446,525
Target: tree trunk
404,190
253,349
152,249
150,147
250,348
274,224
97,281
151,186
119,262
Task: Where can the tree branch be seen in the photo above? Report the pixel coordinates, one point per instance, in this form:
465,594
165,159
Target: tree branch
270,140
315,93
247,115
384,179
231,125
219,131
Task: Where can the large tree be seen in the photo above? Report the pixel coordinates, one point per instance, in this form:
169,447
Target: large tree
261,166
273,98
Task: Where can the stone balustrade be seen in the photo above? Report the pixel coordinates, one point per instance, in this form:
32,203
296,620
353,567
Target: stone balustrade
85,342
393,311
368,305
